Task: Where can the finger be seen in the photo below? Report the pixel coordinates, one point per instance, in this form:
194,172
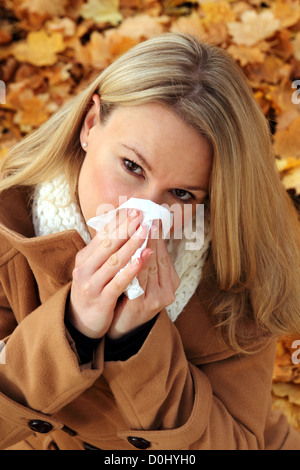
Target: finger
143,274
114,289
163,263
102,249
117,260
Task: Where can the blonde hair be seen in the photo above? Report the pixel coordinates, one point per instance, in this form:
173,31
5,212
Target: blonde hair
254,258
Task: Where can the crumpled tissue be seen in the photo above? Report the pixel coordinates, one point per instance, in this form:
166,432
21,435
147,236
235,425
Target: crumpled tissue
150,211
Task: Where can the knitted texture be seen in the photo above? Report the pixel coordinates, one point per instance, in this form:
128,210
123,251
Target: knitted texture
54,211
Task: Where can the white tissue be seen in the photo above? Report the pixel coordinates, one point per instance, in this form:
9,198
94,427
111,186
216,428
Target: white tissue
151,211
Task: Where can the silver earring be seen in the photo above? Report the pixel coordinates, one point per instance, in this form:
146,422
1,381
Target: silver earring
84,145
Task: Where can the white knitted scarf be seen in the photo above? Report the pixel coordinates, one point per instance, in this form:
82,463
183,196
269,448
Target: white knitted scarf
54,211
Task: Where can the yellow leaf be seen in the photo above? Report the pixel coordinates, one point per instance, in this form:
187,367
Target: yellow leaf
296,44
286,164
39,48
287,390
102,11
287,11
217,12
292,180
253,27
3,152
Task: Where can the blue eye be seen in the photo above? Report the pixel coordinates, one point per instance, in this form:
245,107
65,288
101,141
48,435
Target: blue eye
132,167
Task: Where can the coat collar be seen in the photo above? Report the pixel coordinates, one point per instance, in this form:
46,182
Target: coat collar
41,252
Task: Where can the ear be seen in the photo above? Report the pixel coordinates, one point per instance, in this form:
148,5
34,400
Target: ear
91,119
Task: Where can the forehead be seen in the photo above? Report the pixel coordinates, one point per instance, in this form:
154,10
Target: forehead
160,135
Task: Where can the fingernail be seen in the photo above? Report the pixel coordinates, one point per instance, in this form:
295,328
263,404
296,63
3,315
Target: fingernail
132,213
141,232
149,254
136,262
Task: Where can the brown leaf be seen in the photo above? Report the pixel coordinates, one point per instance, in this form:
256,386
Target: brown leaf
287,141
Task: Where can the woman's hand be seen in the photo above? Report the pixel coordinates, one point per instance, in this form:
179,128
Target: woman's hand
159,281
97,304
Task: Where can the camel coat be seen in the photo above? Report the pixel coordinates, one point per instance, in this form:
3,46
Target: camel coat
183,390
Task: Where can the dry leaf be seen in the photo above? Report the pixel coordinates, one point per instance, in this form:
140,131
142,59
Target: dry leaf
102,11
246,55
95,53
39,48
32,110
292,180
142,26
191,24
3,151
253,27
296,44
291,411
217,12
287,141
287,11
287,390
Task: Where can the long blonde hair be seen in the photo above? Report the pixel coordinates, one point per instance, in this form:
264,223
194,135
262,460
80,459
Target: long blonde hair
254,259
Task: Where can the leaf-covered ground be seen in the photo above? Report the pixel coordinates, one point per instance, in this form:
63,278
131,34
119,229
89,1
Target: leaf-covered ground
49,49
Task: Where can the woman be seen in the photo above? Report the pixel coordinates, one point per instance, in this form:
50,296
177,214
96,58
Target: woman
187,365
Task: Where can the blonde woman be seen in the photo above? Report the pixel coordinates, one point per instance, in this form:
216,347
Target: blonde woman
187,365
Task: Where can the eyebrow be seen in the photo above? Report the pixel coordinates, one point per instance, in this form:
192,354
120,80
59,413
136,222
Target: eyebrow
149,168
139,155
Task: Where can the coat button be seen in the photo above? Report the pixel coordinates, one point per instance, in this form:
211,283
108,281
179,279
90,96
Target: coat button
138,442
37,425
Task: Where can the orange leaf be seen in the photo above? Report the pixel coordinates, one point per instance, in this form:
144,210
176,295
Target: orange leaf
287,141
39,48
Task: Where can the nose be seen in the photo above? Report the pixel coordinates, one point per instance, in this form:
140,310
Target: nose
152,194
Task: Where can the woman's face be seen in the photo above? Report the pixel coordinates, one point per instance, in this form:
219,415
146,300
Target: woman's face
145,152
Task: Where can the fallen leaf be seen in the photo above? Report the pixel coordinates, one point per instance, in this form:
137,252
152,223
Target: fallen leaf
93,54
296,45
253,27
287,164
142,26
287,11
272,70
292,180
40,48
3,151
102,11
287,141
291,411
246,55
217,12
191,24
287,390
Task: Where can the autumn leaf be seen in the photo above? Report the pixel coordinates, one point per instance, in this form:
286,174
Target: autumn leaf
217,12
253,27
40,48
287,141
246,55
102,11
296,44
191,24
142,26
287,11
